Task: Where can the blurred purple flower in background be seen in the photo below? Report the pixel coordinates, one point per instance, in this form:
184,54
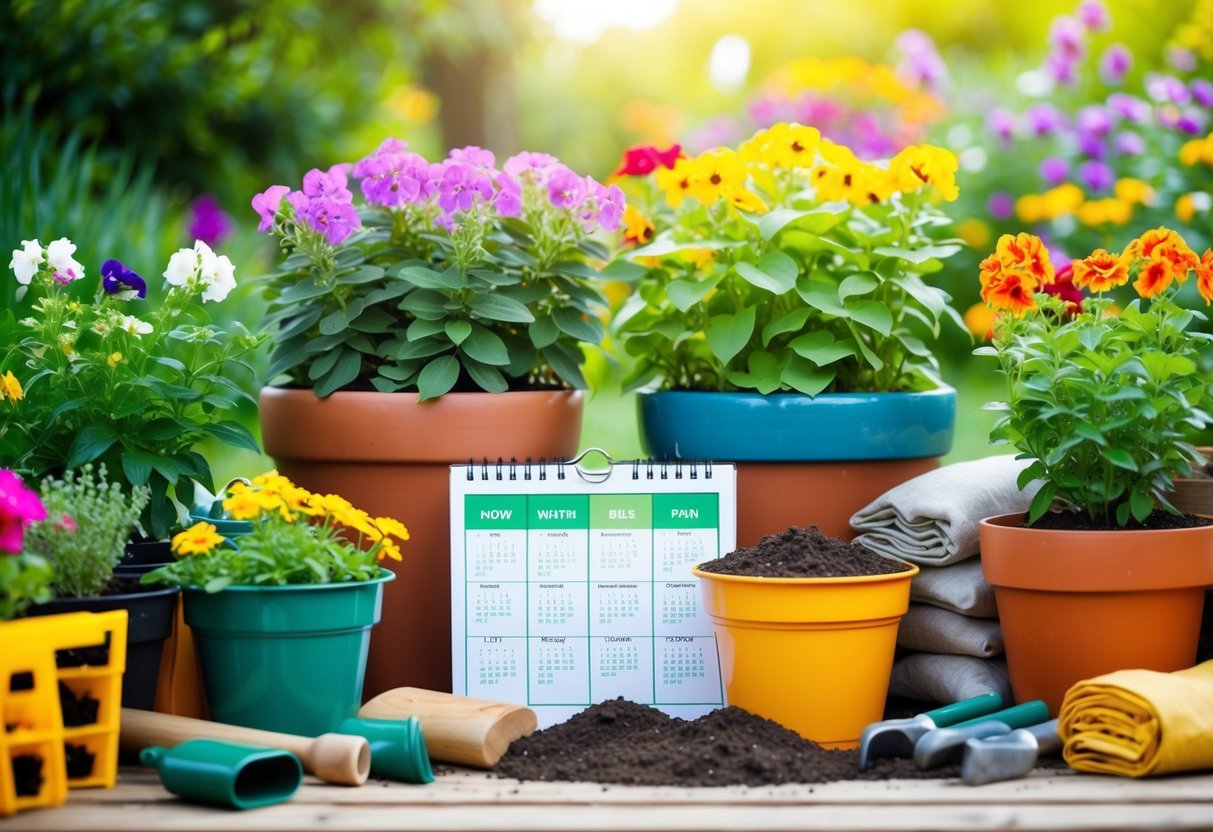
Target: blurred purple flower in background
1001,205
1066,38
1054,170
1094,119
1129,144
920,61
1094,15
1001,123
1090,145
1167,88
1181,59
1096,175
1115,63
209,222
1202,92
1044,119
1128,107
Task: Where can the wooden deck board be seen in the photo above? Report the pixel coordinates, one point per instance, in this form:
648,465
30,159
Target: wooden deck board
473,801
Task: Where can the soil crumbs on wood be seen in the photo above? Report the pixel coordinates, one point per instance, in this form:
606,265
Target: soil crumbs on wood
623,742
803,553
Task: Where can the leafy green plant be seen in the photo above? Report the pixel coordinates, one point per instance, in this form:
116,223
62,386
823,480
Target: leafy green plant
90,381
88,522
294,537
451,276
787,265
1099,401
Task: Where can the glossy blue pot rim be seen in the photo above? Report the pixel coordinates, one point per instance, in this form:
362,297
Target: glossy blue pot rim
790,427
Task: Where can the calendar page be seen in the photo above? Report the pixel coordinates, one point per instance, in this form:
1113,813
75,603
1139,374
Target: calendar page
570,588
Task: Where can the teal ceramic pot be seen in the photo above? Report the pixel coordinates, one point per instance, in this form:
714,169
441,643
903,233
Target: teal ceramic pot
285,658
789,427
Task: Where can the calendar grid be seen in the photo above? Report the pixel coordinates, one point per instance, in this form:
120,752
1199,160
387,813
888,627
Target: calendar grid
565,594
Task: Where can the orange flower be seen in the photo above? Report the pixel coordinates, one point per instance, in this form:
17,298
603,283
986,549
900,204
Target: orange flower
1163,242
1204,276
1101,271
1154,278
637,227
1027,253
979,319
1004,288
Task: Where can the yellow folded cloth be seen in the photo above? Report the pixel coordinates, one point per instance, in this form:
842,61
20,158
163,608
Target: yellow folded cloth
1140,722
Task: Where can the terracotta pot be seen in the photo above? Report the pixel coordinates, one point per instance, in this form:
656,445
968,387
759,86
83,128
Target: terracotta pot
390,455
803,461
1075,604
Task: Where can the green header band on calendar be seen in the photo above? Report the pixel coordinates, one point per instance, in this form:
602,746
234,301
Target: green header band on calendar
686,511
559,511
621,511
496,511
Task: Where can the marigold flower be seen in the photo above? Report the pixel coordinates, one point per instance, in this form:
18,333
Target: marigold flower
1101,271
198,539
974,232
1154,277
1028,253
1204,275
10,387
393,527
388,549
1011,291
637,228
243,505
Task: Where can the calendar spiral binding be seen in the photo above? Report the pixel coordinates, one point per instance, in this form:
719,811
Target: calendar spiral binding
542,469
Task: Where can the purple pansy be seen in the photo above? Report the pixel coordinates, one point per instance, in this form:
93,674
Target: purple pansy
526,162
1090,145
266,205
332,183
116,278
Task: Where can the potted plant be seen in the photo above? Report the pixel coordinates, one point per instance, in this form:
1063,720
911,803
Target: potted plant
1103,573
83,537
282,621
437,316
62,673
783,286
120,379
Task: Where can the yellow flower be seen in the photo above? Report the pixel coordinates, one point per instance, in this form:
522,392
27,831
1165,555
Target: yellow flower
393,527
974,232
388,549
1185,208
1134,191
10,387
637,228
919,165
786,145
198,539
1030,208
1103,211
1193,151
979,319
745,200
243,504
700,257
1064,199
114,359
715,173
675,181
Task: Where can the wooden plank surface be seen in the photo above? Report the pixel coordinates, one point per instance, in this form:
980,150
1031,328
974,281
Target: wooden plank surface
470,800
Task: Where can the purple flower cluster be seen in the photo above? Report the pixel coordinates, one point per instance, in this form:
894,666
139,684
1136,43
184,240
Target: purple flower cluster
325,204
920,63
1068,43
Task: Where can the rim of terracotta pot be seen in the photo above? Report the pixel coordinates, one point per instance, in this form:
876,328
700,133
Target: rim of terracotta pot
1119,560
395,427
783,427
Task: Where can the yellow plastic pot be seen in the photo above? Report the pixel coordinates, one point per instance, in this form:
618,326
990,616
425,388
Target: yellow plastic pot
813,654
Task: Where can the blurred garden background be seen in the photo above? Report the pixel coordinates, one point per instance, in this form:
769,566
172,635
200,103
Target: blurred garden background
136,126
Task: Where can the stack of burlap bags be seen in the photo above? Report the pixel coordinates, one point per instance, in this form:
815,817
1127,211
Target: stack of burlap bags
950,644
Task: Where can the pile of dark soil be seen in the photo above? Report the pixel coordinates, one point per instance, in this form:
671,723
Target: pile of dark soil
79,760
77,710
619,741
803,553
1081,521
27,775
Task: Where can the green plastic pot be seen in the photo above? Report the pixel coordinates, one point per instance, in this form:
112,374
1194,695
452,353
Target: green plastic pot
285,658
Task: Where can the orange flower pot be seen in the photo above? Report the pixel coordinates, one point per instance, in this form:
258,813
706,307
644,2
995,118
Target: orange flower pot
1075,604
391,455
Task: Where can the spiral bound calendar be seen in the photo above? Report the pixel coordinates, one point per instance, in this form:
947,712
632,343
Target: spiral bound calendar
570,586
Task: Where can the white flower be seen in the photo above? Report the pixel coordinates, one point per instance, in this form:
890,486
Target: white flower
59,255
102,328
31,322
219,278
134,326
26,260
182,267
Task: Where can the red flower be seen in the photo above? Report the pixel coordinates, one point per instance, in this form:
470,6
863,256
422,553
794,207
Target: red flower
642,159
1063,287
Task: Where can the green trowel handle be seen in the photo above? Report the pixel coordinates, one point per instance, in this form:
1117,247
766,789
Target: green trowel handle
1018,716
965,709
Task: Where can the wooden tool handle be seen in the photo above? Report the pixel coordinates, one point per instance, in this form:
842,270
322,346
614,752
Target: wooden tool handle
335,758
457,729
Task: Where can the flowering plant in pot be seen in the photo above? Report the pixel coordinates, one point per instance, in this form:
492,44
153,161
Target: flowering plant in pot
450,275
793,273
300,589
121,379
1100,400
25,577
427,313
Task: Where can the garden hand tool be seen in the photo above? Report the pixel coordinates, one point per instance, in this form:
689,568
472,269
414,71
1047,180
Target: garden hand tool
398,749
335,758
896,737
946,745
225,774
457,729
1007,757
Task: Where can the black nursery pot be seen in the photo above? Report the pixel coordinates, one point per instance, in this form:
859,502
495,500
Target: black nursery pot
150,621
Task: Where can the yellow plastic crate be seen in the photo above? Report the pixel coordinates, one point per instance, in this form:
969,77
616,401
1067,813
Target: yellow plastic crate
33,725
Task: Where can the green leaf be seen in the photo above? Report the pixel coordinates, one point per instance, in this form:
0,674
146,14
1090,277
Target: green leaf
543,331
775,272
421,348
860,283
624,271
437,377
1142,504
425,303
806,377
872,314
566,361
728,334
496,307
664,245
815,221
421,328
234,434
137,465
344,371
1041,502
89,444
422,277
820,347
374,320
365,274
1121,459
919,254
791,322
488,378
582,327
486,346
457,331
686,293
763,375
